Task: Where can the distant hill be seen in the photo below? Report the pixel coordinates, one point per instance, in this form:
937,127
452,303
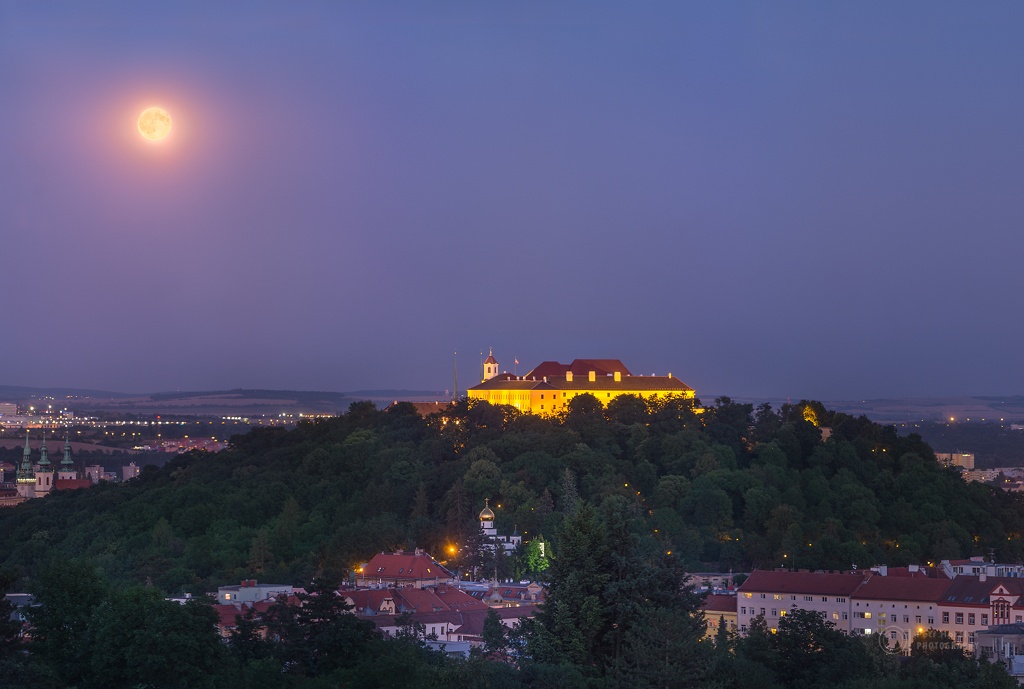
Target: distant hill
914,409
18,393
236,402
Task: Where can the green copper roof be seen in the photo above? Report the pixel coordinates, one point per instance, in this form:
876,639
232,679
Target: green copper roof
67,464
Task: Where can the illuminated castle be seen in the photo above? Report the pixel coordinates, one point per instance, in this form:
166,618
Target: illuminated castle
549,388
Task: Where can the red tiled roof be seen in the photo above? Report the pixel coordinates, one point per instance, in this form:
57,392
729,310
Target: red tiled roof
227,615
903,588
579,367
717,603
599,383
457,599
404,567
368,599
811,583
72,483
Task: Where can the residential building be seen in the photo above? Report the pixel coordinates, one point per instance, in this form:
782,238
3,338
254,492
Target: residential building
773,593
251,591
718,610
1003,643
901,607
964,460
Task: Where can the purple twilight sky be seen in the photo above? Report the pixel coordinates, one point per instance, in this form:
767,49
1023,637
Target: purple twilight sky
790,198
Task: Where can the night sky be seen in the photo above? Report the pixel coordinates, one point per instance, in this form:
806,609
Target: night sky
808,199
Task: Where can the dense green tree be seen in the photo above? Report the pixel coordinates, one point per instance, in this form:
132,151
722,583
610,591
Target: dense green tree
140,640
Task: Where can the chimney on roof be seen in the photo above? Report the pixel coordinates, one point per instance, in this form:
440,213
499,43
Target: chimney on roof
912,568
568,376
618,376
670,374
545,379
592,376
883,570
983,576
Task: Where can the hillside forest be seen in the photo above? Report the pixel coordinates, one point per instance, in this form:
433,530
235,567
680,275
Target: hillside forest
730,487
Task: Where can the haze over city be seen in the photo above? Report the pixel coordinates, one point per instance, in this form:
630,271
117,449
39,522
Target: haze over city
816,200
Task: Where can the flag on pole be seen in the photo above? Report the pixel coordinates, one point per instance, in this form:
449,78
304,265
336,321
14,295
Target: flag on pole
517,362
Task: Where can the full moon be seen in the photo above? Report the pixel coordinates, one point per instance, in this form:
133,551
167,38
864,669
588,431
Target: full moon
154,124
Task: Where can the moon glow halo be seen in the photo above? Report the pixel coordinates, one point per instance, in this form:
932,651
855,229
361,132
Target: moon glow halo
154,124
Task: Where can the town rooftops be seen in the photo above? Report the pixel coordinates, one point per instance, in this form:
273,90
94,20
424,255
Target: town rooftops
718,603
971,590
403,566
879,587
811,583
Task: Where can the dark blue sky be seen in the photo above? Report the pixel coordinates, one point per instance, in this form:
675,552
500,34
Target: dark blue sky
805,199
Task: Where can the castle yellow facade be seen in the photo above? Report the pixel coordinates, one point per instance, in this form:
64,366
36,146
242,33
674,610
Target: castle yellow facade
550,387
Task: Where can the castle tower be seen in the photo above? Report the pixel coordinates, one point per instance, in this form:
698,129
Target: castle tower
490,366
44,475
67,466
26,476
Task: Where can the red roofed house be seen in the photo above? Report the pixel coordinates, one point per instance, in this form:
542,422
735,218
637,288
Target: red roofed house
415,569
719,609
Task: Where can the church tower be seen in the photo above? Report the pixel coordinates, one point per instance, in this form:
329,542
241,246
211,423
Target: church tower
490,366
26,476
44,475
67,466
487,520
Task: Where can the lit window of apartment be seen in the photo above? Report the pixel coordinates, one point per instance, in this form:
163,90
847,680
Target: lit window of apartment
777,596
835,616
748,595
